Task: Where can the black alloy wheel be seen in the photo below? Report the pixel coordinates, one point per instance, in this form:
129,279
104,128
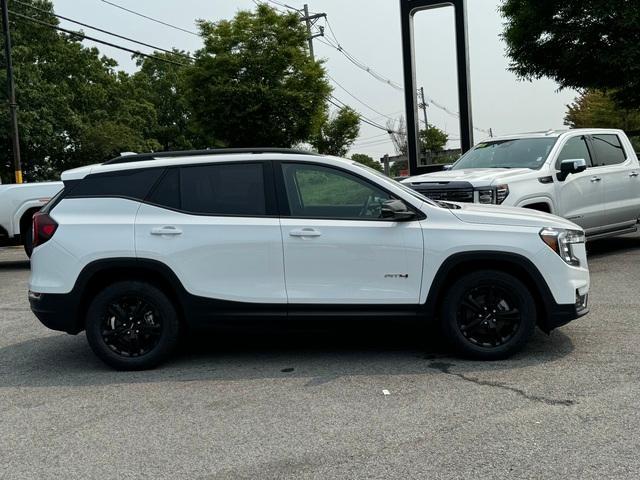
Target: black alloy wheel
488,315
132,325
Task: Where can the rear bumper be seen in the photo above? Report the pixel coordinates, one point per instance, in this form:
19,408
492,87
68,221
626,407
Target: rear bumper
56,311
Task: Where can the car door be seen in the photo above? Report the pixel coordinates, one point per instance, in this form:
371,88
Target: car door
619,178
580,196
217,228
337,249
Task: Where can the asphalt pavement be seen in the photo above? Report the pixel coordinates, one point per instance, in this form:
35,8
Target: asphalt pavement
331,403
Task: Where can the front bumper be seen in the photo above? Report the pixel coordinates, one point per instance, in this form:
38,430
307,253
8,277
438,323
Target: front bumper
561,314
56,311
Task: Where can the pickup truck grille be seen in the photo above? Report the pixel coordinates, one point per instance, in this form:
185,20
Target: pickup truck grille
452,192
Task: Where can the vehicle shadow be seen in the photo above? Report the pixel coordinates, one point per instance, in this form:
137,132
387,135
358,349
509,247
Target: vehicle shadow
318,355
613,246
15,265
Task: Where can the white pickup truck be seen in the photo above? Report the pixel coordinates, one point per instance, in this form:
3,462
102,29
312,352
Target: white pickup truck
18,203
588,176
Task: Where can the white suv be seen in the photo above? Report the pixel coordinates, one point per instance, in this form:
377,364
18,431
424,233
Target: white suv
139,247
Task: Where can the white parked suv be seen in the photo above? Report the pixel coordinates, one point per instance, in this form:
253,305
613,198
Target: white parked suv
588,176
140,247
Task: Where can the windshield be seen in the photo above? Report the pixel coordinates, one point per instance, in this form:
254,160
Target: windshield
514,153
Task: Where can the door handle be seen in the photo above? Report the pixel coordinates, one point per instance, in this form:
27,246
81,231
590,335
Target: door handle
595,179
166,230
305,232
634,174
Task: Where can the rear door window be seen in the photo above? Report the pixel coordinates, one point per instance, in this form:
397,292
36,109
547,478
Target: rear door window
607,150
224,189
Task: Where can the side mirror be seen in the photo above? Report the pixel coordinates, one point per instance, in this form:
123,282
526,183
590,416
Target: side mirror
447,167
567,167
396,210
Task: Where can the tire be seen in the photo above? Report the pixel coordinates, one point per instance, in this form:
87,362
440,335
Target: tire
132,325
488,315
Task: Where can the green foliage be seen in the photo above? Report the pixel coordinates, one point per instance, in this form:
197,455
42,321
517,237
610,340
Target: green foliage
432,139
335,135
594,44
367,160
253,84
594,109
397,167
318,188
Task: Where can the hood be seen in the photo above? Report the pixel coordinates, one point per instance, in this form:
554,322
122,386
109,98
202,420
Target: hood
479,175
497,215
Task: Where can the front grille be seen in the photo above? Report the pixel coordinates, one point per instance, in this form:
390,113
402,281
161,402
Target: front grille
448,192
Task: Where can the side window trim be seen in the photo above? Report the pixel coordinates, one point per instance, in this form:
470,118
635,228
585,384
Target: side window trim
283,202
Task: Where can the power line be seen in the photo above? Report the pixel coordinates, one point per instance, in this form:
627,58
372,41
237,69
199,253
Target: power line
357,99
191,32
104,31
86,37
341,104
335,44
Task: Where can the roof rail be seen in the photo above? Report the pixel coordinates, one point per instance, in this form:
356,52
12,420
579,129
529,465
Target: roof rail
141,157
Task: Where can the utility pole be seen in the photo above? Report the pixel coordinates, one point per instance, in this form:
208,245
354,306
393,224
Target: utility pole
423,105
11,93
310,21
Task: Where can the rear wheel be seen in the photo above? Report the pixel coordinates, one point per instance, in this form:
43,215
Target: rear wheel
132,326
488,315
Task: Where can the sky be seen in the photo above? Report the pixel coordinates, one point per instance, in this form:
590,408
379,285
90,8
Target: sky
370,31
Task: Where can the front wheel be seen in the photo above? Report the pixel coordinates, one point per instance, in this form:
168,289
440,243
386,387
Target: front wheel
488,315
132,325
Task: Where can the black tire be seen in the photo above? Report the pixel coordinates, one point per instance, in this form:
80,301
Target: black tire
488,315
132,325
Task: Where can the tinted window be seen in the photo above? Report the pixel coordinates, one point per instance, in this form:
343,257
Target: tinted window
314,191
574,149
607,150
230,189
167,193
125,183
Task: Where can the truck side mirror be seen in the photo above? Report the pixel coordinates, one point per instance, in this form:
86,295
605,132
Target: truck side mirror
447,167
567,167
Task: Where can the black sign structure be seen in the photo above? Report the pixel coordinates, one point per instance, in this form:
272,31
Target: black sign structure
408,8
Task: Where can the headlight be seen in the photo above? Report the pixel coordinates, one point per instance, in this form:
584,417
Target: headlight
485,196
561,241
495,195
502,191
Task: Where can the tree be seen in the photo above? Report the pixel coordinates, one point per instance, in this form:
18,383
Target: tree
163,84
579,44
594,109
69,97
336,134
254,84
432,142
367,160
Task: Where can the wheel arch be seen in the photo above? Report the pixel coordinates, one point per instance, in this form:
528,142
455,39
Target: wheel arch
514,264
97,275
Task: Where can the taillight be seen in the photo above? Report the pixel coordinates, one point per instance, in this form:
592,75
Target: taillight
43,228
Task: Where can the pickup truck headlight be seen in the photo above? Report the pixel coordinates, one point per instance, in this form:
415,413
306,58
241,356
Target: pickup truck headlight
561,241
495,195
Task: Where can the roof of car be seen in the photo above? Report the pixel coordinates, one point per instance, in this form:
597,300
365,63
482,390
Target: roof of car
165,159
141,157
552,133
